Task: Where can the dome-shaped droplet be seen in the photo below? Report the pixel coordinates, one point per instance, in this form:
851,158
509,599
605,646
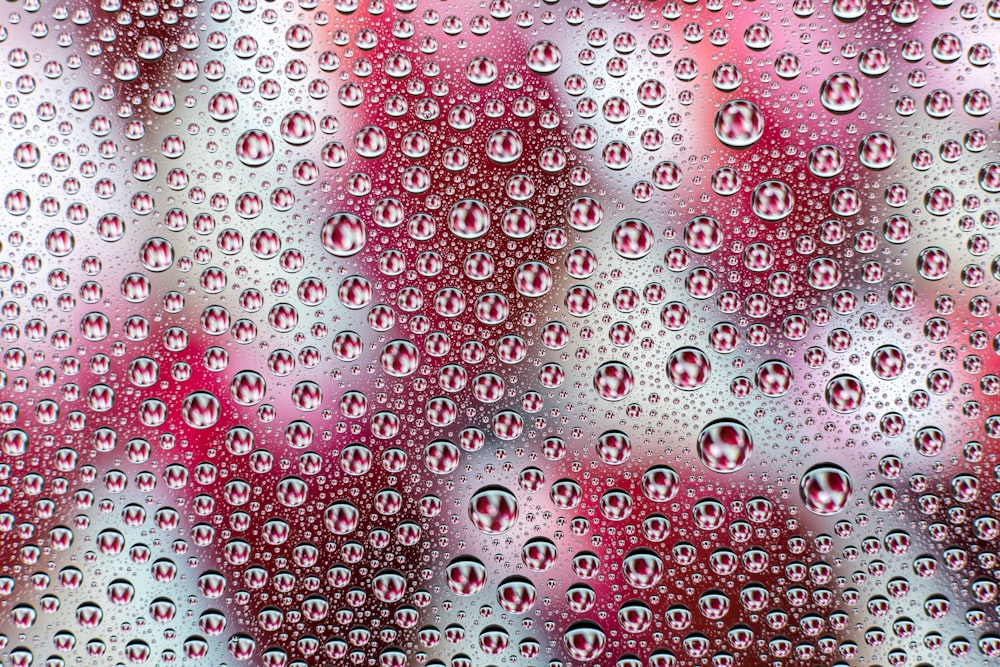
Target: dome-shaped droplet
493,510
826,489
725,446
739,124
543,57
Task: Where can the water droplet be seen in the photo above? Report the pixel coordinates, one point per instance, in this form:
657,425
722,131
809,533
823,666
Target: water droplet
826,489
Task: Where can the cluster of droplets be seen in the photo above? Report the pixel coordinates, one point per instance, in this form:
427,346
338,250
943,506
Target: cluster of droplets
314,353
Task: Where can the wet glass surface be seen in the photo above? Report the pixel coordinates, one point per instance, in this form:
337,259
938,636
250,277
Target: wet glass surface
469,334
